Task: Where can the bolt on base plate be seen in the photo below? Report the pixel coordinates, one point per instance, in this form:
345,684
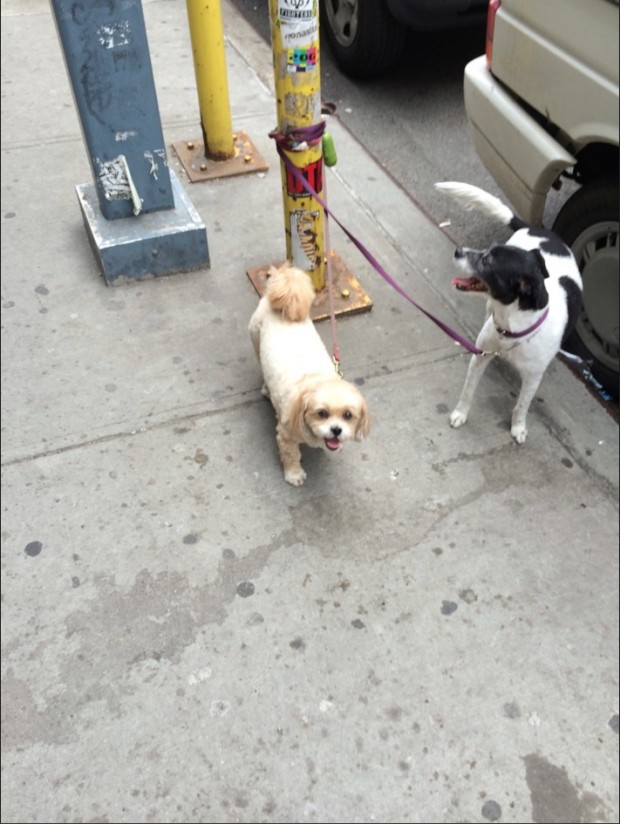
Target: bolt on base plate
198,167
348,296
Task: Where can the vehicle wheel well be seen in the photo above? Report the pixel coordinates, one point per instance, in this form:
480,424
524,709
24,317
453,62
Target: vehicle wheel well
588,223
596,161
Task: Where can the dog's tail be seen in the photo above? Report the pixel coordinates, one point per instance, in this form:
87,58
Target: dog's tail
290,292
471,197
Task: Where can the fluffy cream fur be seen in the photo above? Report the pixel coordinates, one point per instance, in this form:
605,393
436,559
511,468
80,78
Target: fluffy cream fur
313,405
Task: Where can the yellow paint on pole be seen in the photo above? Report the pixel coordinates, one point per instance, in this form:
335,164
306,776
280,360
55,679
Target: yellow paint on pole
296,62
207,36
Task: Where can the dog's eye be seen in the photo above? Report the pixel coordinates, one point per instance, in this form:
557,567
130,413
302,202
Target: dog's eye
323,413
347,415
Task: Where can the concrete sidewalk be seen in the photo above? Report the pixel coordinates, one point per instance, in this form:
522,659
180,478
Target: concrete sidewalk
426,631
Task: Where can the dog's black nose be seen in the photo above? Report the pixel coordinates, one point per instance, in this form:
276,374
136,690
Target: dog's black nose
336,431
459,252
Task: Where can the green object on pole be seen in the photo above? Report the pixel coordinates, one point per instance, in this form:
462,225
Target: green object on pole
330,157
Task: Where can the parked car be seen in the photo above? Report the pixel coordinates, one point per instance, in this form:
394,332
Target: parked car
543,108
367,37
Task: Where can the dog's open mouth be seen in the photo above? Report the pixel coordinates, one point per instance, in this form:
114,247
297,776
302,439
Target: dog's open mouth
472,284
333,443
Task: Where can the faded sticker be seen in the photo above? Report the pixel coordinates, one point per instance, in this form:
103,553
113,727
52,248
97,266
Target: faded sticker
113,35
298,21
297,36
304,230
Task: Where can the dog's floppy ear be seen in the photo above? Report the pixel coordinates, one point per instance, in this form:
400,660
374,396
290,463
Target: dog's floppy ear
295,419
363,425
540,260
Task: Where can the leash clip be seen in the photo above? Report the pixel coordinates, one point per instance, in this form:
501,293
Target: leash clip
337,367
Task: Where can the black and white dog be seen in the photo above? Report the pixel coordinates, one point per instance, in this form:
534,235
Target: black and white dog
534,295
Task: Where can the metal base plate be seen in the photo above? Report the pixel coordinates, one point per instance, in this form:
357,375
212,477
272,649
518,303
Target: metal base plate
348,296
247,159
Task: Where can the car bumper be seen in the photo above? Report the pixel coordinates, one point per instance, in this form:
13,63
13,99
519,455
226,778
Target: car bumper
520,155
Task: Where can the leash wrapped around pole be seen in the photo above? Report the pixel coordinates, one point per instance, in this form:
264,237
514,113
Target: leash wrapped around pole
456,337
297,75
302,137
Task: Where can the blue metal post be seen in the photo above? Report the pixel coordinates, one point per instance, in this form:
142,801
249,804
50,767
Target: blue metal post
109,66
138,217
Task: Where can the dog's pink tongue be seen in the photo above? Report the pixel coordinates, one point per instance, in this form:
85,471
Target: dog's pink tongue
332,443
472,284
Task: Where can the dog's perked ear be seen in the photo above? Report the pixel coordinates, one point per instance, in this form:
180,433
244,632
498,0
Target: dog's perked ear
532,291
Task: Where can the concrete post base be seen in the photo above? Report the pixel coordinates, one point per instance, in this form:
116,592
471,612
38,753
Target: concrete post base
149,245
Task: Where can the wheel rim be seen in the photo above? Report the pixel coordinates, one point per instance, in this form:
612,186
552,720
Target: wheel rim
596,252
342,17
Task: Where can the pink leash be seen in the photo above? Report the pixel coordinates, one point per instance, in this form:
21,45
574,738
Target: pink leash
311,135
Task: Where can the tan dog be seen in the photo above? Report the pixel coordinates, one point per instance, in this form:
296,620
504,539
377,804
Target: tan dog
313,405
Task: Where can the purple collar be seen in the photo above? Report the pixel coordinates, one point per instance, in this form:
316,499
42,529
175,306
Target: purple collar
507,334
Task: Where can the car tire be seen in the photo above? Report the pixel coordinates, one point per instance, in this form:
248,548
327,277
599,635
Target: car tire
588,223
362,35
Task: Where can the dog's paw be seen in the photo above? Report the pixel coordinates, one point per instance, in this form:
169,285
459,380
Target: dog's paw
457,418
264,391
519,432
295,477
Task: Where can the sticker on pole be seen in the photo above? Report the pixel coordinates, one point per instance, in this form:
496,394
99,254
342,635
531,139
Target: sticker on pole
312,173
304,232
296,10
301,60
298,21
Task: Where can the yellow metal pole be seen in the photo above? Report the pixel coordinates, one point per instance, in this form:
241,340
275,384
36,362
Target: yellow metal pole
207,36
295,43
